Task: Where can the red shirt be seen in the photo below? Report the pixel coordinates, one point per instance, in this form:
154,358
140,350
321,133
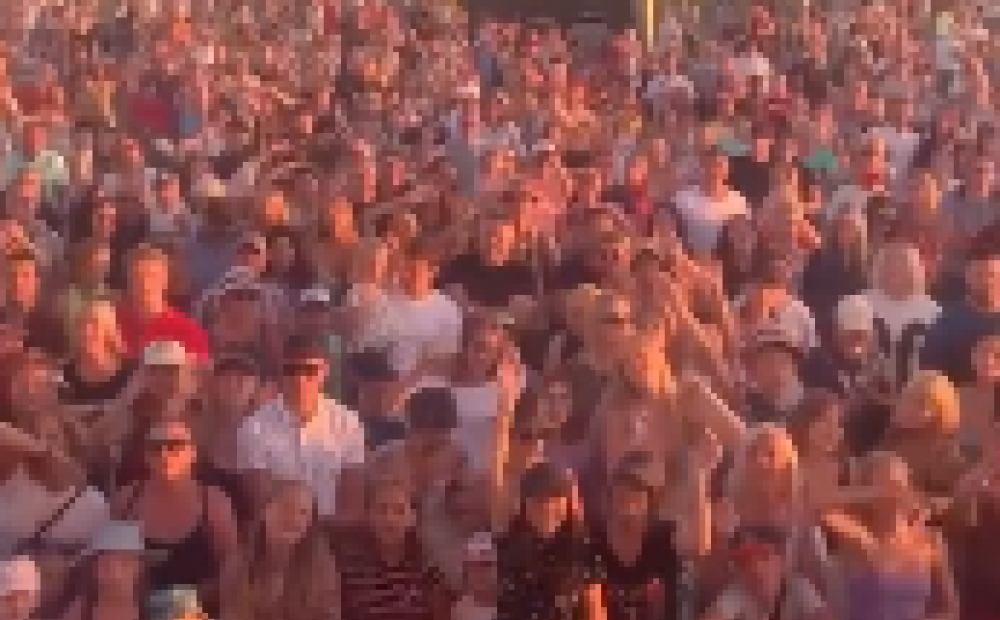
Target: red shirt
170,325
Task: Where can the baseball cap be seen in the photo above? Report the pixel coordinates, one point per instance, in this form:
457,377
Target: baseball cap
165,353
19,574
855,314
773,337
546,481
432,409
372,365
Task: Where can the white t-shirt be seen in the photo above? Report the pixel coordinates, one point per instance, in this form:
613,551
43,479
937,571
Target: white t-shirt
414,328
704,217
314,454
25,505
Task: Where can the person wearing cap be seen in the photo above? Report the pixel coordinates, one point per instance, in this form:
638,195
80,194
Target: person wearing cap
479,594
773,360
853,367
146,316
303,435
762,585
20,586
377,385
111,578
547,569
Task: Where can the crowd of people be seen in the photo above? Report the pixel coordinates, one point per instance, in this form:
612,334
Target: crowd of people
365,310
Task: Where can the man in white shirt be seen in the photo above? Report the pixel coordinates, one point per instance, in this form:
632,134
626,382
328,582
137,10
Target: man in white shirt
704,210
420,324
302,435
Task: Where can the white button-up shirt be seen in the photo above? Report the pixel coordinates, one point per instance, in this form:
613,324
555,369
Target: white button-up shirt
274,441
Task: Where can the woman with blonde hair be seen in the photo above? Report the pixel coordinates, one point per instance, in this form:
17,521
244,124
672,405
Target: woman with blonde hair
98,370
765,488
893,566
285,568
924,432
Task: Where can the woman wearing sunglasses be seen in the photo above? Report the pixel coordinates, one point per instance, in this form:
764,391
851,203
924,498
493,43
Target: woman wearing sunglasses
192,525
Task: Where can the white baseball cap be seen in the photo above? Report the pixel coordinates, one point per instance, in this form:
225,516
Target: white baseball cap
165,353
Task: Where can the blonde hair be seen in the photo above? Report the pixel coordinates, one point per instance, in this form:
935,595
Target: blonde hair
103,312
914,263
934,390
739,484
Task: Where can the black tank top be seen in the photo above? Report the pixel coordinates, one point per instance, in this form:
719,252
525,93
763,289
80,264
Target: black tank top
189,561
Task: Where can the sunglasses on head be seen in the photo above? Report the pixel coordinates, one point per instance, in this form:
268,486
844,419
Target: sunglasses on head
297,369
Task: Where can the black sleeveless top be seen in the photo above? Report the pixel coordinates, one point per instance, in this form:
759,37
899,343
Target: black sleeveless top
189,561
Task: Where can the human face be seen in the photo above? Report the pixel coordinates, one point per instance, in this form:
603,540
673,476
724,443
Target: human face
826,433
418,278
984,282
117,572
631,504
148,281
24,282
898,278
986,359
915,414
303,378
498,242
768,457
235,389
391,512
546,514
289,516
171,454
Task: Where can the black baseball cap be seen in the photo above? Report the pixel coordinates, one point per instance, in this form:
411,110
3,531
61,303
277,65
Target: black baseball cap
546,481
432,409
372,365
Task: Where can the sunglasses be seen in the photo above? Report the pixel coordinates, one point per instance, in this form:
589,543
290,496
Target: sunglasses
616,320
532,436
168,445
301,370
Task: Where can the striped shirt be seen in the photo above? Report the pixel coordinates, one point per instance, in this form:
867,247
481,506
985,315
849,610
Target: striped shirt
371,589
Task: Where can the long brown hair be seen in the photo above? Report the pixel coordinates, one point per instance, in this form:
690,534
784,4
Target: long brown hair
309,589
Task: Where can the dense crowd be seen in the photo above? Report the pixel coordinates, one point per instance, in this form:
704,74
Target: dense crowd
365,310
